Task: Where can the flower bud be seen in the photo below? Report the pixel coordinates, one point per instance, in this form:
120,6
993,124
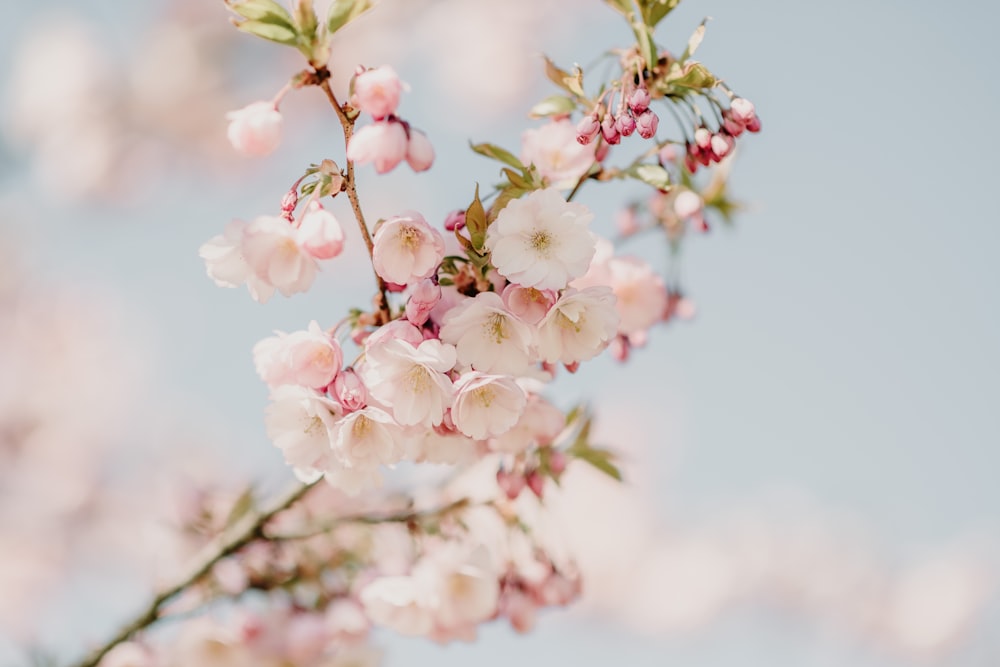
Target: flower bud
535,482
722,144
377,91
731,125
557,462
424,297
687,203
703,138
753,125
627,222
625,125
639,100
510,483
587,129
743,110
619,348
419,152
384,143
349,390
668,154
455,220
319,233
646,123
608,129
255,130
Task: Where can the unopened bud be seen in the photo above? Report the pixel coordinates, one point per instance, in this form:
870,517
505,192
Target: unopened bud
639,100
646,123
536,482
455,220
703,138
754,124
625,125
510,483
743,110
557,462
587,129
731,125
349,390
668,154
609,130
722,144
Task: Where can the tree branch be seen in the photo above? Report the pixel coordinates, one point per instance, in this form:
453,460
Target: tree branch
230,540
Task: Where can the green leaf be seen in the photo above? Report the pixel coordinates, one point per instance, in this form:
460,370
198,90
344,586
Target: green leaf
571,83
652,174
653,11
270,31
600,459
476,223
343,12
553,105
693,75
647,47
694,41
497,153
623,7
305,18
265,11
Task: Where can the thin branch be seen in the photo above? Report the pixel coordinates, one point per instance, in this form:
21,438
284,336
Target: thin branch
351,187
236,536
407,516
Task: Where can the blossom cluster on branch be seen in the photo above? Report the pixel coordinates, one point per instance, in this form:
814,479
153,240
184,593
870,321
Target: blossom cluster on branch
471,319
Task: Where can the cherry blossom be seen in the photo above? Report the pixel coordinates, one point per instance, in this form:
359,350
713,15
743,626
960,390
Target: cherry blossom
486,405
488,337
377,91
553,148
579,326
255,130
407,249
411,381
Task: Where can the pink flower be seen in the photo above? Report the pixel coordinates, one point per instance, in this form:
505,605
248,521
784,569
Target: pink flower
579,326
528,303
298,422
223,256
488,337
555,149
411,381
419,152
407,249
540,423
384,143
308,358
271,248
350,390
362,441
486,405
255,130
377,91
320,234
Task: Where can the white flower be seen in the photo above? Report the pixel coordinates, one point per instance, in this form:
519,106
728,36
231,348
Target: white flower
226,265
487,337
579,326
539,424
466,585
486,405
554,150
400,603
362,441
271,248
409,380
541,240
298,421
407,249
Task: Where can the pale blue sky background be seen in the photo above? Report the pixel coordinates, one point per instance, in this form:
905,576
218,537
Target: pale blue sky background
846,342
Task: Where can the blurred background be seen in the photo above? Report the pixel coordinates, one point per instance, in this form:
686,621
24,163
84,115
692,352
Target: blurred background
812,459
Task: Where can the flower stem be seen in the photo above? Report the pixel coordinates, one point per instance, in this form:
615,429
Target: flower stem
240,534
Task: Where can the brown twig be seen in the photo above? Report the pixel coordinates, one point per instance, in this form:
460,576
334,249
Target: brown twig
236,536
350,186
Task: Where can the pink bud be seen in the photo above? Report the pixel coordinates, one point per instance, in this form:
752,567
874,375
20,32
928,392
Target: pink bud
627,222
510,483
289,202
722,144
528,303
319,233
376,91
690,163
455,220
419,152
703,138
536,483
619,348
572,367
639,101
424,297
687,204
625,125
743,110
587,129
255,130
349,390
646,123
699,224
602,152
608,129
753,125
383,143
557,462
668,154
731,125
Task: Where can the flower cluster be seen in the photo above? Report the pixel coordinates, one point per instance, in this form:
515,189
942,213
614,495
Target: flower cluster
389,140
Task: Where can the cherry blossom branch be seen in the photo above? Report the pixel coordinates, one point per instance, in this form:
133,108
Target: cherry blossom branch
406,516
350,186
241,533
